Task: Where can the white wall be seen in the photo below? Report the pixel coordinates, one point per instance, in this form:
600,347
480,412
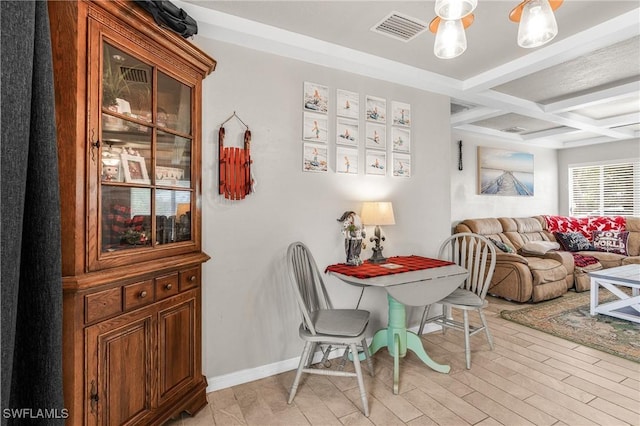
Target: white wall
467,203
624,150
249,314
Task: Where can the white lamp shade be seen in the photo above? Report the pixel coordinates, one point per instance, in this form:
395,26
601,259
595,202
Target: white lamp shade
454,9
537,24
377,213
451,40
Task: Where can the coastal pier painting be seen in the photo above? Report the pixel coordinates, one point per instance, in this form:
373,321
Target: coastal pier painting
502,172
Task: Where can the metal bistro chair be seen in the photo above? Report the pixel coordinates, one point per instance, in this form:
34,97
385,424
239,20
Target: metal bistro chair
323,325
478,255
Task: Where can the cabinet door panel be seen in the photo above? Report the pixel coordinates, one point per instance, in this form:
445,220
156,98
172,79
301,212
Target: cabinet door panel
120,370
176,347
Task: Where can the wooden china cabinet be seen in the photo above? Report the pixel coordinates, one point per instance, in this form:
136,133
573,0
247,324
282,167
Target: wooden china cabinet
128,113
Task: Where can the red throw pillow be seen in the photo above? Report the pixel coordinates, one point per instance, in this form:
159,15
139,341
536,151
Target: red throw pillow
611,241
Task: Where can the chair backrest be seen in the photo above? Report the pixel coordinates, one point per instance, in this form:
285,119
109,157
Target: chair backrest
307,283
476,254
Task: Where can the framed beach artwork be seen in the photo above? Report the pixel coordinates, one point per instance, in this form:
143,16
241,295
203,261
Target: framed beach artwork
503,172
347,104
315,157
315,127
376,162
401,164
376,136
401,139
347,131
401,114
376,109
316,97
347,160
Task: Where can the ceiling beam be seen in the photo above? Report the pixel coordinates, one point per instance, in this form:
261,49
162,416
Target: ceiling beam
595,98
475,114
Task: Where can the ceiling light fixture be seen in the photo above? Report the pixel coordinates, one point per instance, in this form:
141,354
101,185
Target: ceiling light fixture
454,9
537,22
451,40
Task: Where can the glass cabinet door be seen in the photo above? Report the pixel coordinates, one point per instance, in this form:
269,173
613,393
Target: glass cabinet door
146,191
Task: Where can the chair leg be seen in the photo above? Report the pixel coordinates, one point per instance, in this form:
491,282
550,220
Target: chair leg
467,349
303,360
363,392
425,315
312,352
447,316
486,328
365,349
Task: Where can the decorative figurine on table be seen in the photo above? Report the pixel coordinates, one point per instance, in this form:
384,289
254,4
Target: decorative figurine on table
354,232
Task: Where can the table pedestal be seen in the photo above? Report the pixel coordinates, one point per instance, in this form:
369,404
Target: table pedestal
398,339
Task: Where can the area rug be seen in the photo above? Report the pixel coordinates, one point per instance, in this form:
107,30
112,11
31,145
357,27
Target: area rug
568,317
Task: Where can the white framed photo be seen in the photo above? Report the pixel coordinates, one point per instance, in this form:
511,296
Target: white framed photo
315,127
347,104
376,136
135,169
316,97
347,160
401,139
376,109
376,162
314,157
347,131
401,114
401,164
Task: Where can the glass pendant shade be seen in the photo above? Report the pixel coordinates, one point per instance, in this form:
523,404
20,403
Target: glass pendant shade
454,9
451,40
537,24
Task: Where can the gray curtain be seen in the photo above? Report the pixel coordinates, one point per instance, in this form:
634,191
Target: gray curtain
30,212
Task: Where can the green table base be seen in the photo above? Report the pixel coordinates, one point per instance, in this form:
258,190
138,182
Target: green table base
397,339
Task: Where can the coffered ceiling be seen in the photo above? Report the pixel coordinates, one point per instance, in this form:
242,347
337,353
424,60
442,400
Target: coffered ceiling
582,88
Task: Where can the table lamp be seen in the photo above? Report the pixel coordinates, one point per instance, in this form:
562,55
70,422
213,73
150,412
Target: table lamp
377,213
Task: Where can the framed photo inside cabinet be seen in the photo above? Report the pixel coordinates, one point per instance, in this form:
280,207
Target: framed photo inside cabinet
401,139
401,164
347,104
314,157
376,109
347,131
401,114
376,136
376,162
315,127
502,172
316,97
347,160
135,169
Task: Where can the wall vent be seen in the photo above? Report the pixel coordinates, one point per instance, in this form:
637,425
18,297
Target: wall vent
400,27
134,75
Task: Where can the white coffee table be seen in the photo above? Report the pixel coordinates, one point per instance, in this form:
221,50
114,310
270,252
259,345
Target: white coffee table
626,307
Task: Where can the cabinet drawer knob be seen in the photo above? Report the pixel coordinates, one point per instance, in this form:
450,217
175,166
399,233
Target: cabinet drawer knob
143,294
168,286
192,278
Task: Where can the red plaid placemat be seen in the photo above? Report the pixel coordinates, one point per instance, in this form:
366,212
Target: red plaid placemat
370,270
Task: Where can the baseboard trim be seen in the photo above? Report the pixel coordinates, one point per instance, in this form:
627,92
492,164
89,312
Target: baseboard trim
249,375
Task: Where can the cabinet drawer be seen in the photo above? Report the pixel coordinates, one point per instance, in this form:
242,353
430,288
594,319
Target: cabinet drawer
189,278
102,304
166,285
138,294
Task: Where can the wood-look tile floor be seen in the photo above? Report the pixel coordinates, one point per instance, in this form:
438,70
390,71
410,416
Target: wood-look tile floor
531,378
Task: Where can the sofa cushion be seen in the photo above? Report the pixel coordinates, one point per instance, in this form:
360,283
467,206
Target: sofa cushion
546,270
573,241
539,247
484,226
611,241
607,260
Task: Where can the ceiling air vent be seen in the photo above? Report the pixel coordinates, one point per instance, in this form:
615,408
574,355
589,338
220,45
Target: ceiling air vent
514,129
401,27
134,75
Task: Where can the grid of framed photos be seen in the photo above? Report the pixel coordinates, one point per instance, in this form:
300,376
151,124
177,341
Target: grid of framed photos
383,130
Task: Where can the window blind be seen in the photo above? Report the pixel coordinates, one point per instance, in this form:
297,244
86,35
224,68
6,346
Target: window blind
605,189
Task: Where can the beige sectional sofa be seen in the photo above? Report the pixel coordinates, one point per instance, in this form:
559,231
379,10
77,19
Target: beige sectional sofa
523,276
